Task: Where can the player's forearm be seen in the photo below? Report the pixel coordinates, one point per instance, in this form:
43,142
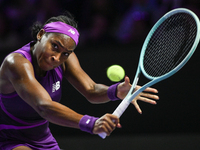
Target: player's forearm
59,114
98,94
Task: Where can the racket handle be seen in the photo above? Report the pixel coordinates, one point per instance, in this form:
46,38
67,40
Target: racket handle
121,108
102,135
118,112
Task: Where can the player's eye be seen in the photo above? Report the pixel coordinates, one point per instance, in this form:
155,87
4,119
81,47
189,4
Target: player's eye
66,54
55,45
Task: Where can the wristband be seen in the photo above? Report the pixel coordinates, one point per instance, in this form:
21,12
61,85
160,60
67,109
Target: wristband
112,92
87,123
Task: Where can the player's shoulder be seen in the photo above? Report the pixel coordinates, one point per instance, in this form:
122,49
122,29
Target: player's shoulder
15,58
15,61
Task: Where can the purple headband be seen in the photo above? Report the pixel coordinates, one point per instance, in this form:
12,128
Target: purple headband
61,27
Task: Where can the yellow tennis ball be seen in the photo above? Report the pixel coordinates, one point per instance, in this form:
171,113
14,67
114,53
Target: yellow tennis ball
115,73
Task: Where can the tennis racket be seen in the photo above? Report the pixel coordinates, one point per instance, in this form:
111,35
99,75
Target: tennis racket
166,49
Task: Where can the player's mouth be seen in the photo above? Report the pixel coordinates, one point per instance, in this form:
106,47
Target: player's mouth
49,65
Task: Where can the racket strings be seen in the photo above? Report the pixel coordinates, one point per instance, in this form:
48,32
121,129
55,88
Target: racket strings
169,44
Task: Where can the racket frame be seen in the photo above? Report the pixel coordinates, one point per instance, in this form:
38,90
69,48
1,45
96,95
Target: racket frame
131,94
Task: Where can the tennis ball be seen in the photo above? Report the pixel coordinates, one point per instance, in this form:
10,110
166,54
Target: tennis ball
115,73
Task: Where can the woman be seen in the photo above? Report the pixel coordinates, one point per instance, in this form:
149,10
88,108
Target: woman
30,89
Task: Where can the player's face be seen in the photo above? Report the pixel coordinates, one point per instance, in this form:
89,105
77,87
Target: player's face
52,50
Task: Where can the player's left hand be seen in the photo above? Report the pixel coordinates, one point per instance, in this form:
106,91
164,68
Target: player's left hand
148,95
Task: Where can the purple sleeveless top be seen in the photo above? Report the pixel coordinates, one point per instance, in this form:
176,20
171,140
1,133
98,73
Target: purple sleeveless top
20,122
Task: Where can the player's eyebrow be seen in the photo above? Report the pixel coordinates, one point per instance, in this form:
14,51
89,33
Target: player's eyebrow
63,46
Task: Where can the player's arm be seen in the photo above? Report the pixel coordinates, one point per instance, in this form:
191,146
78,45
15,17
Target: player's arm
95,93
19,72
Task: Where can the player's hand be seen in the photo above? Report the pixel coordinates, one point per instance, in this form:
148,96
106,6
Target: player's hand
107,124
148,95
123,88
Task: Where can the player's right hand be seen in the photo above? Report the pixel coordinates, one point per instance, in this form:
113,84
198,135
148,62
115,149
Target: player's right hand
107,124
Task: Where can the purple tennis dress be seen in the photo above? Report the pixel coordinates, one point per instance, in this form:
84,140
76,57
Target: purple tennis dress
20,124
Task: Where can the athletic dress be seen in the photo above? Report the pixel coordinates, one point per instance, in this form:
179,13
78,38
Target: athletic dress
20,124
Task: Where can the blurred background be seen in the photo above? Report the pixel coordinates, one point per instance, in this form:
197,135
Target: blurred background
112,32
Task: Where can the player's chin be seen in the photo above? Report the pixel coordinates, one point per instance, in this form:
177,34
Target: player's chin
47,67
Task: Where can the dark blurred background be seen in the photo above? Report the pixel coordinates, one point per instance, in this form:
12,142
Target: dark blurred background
112,32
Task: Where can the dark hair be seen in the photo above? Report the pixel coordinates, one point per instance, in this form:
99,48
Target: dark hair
66,18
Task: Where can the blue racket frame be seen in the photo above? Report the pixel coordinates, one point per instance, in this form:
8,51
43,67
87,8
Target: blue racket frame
132,94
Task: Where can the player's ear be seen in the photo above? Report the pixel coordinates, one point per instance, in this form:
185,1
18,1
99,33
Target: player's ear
40,34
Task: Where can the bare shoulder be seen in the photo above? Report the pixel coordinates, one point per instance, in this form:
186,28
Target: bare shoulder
13,63
71,64
72,60
14,66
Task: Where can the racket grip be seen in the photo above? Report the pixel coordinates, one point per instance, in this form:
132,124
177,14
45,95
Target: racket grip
121,108
118,112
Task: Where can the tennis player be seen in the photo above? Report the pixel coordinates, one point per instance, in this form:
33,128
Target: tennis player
30,89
